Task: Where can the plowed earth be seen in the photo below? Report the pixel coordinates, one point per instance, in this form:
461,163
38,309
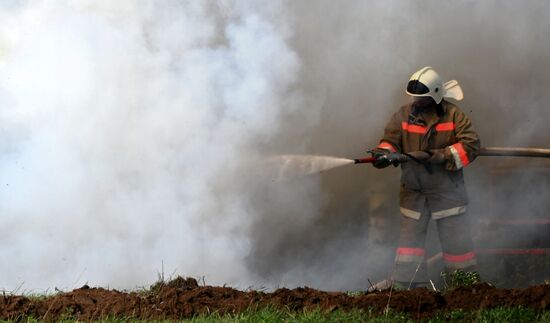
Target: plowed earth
184,298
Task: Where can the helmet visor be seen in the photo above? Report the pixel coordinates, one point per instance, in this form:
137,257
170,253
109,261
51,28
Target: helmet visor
417,87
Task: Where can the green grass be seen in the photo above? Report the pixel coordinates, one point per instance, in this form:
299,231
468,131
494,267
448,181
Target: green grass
459,278
517,314
272,315
268,315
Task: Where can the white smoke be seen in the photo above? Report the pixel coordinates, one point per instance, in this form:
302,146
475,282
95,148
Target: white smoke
123,125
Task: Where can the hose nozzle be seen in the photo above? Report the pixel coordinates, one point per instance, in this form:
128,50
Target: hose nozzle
393,158
365,160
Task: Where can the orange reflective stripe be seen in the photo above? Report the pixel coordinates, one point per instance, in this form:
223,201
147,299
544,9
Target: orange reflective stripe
413,128
411,251
462,154
387,145
445,126
459,258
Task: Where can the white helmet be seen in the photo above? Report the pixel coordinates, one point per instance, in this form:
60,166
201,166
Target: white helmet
426,82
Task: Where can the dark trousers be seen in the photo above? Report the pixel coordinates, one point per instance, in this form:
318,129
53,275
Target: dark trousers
456,244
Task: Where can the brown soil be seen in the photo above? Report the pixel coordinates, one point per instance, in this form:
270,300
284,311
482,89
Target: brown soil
184,298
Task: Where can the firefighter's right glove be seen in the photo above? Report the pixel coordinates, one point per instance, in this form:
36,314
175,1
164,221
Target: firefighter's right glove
385,158
382,161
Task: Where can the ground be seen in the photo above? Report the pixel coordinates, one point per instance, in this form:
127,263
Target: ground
184,298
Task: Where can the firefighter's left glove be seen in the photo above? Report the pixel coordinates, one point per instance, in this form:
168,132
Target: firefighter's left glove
438,156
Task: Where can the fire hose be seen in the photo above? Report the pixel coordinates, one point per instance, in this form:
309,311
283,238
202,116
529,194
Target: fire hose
486,151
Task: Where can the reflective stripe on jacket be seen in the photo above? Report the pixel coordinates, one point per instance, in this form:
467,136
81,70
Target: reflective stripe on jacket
440,186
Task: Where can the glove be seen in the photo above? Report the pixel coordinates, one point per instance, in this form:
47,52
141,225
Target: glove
438,156
397,158
385,158
382,161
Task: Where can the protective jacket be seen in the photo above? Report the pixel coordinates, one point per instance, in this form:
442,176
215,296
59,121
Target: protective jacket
439,187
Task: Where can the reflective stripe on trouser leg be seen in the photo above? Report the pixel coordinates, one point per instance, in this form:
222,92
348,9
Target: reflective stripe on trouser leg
464,261
409,259
405,255
410,265
456,242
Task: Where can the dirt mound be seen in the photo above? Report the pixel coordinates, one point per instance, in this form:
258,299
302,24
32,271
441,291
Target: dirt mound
179,282
183,298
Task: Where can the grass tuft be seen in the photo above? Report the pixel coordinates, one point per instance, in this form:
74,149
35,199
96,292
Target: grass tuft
459,278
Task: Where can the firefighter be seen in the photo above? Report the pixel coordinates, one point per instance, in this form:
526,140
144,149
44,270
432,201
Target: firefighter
434,187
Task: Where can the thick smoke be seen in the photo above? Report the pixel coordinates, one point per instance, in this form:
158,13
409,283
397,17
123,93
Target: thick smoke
124,124
133,132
